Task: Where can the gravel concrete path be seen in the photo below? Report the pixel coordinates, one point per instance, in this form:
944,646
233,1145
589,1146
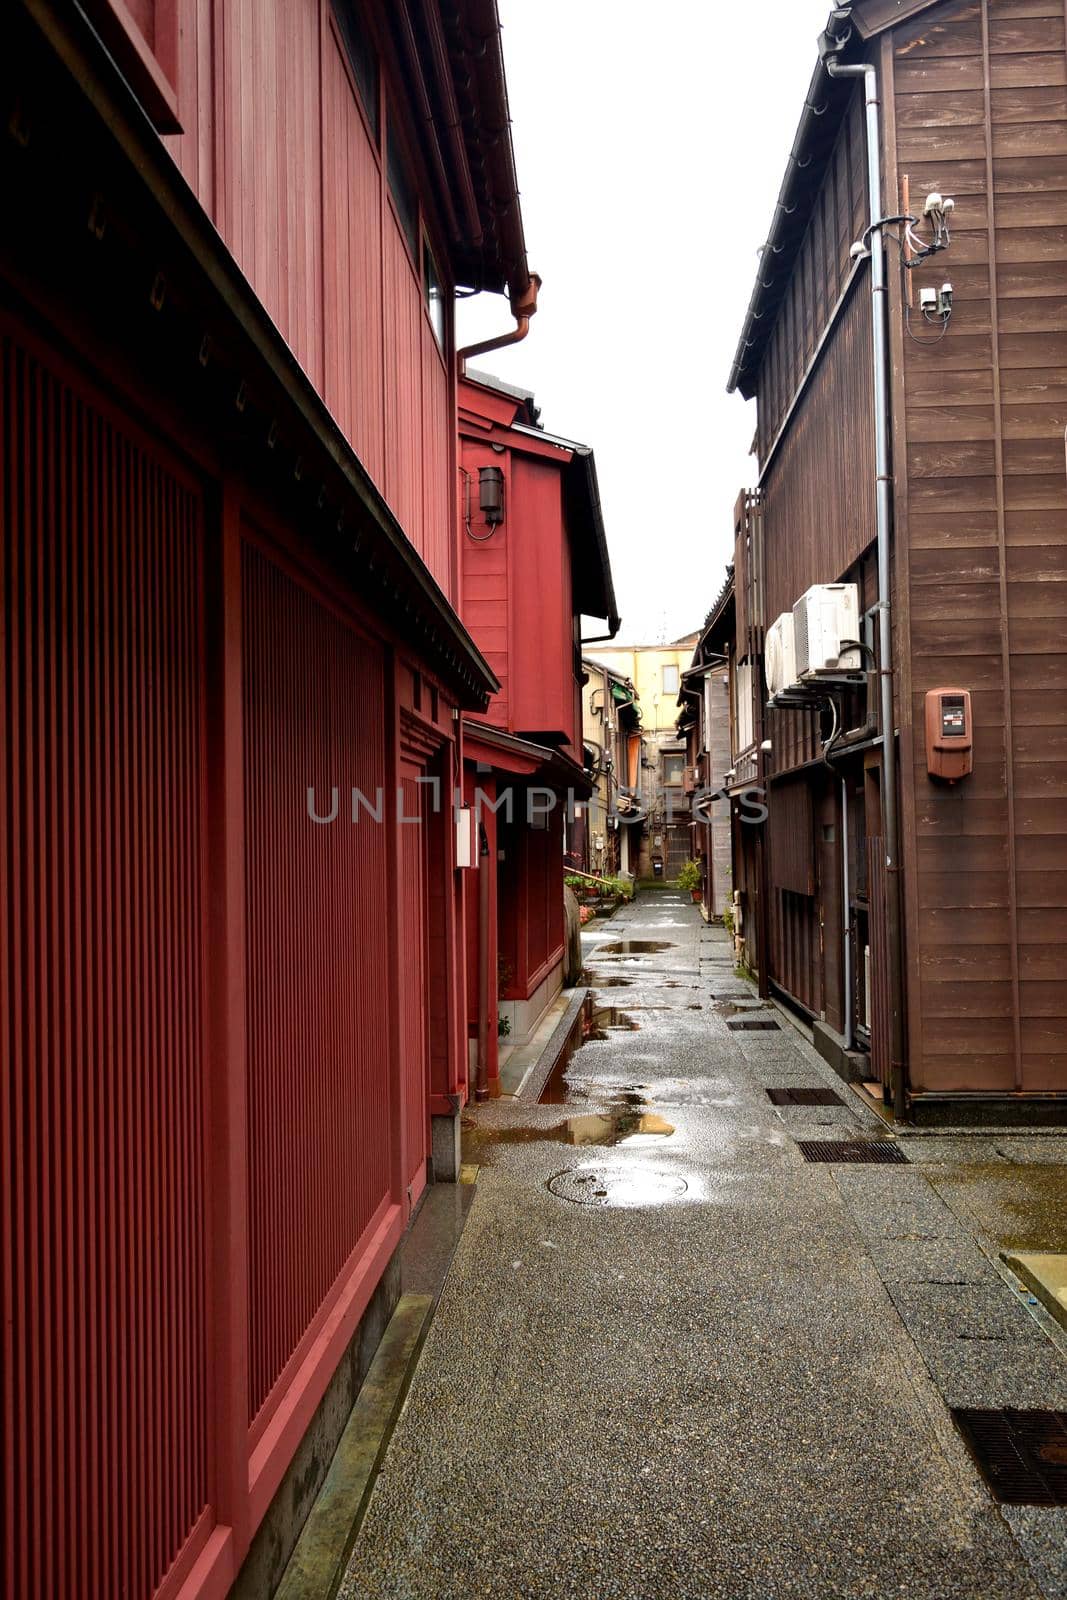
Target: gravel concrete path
715,1371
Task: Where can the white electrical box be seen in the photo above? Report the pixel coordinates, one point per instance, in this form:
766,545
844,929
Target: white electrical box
823,617
780,655
466,838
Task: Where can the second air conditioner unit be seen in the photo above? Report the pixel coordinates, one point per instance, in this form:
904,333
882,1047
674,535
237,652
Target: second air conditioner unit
824,617
780,655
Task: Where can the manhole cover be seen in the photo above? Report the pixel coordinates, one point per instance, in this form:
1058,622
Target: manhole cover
1021,1454
867,1152
803,1097
753,1025
601,1186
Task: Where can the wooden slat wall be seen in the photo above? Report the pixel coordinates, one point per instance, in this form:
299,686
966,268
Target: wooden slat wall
790,836
818,501
354,372
823,265
108,1455
270,189
981,113
318,1030
280,156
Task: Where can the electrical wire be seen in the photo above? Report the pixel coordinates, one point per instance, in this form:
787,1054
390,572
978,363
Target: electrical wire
477,538
834,731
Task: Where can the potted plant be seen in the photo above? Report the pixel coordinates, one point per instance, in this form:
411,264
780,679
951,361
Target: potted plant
690,878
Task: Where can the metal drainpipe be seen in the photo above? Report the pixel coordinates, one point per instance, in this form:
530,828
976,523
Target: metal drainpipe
523,307
481,1084
846,916
883,525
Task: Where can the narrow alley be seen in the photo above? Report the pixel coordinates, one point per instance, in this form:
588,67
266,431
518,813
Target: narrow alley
533,800
674,1358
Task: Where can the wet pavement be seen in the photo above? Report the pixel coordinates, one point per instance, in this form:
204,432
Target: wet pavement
675,1361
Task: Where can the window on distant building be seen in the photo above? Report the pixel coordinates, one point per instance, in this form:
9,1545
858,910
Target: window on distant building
673,768
670,680
362,58
434,294
403,192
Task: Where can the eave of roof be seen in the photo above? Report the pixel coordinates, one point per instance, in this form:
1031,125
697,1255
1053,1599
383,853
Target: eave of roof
824,108
594,587
497,259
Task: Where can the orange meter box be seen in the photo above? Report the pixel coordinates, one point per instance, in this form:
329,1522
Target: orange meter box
949,734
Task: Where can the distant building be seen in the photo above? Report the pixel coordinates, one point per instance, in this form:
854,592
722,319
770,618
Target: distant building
611,721
656,674
706,724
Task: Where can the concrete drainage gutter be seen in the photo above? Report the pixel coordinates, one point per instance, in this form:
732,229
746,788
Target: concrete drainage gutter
318,1563
540,1071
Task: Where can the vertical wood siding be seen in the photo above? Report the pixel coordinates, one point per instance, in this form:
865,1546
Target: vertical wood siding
838,218
403,384
318,1046
484,580
438,528
105,1349
294,185
541,644
352,217
271,196
817,495
981,113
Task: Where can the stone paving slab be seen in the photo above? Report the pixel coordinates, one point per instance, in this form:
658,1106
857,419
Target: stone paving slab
1042,1530
938,1311
930,1261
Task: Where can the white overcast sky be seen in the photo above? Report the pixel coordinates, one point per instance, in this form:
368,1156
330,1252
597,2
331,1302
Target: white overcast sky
650,146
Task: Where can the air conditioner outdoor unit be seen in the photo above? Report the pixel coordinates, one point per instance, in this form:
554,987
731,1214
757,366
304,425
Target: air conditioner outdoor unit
780,656
824,616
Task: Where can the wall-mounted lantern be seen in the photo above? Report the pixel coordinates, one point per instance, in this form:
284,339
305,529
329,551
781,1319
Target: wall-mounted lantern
491,494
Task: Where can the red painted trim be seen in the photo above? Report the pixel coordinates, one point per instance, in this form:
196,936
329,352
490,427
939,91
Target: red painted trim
227,1052
216,1568
274,1452
535,979
392,913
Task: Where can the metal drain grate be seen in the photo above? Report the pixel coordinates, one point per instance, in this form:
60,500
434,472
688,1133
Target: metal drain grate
1022,1455
880,1152
804,1097
753,1025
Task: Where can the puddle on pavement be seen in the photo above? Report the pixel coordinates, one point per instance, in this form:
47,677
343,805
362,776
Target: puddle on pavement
601,1018
1019,1208
598,1186
592,1022
735,1008
605,983
605,1129
633,947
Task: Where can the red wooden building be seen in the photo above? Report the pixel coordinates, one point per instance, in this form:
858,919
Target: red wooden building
534,560
231,974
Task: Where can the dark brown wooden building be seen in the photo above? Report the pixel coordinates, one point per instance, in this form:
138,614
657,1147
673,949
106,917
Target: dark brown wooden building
973,106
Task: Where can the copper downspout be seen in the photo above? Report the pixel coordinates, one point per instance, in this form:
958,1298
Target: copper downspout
481,1085
523,307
